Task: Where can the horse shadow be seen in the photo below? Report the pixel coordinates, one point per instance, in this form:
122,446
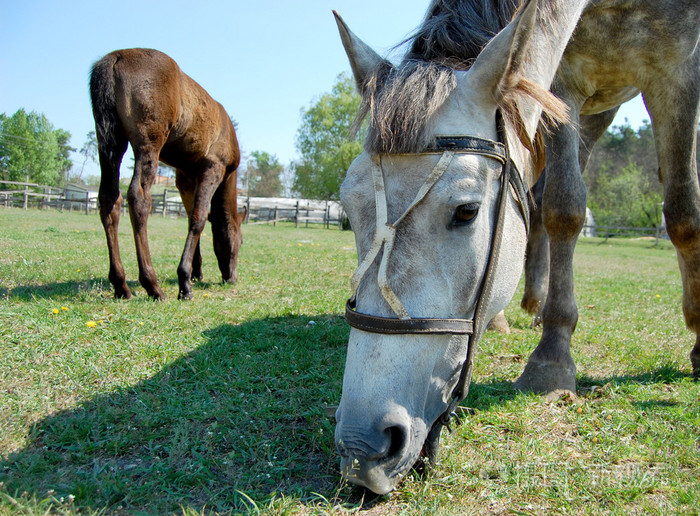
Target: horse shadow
240,418
58,290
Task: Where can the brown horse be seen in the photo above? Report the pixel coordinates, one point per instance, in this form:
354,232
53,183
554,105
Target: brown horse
140,96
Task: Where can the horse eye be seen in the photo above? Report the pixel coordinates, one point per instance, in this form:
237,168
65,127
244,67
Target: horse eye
464,214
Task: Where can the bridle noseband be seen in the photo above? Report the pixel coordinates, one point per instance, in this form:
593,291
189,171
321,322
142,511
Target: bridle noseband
384,236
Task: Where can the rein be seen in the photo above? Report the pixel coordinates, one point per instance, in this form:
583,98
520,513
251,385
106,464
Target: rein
384,236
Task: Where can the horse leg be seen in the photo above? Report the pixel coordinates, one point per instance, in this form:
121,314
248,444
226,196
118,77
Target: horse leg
110,211
550,367
673,104
536,257
537,254
187,188
197,264
203,193
225,224
139,196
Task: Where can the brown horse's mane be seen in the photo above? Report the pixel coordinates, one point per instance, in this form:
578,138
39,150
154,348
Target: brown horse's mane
401,100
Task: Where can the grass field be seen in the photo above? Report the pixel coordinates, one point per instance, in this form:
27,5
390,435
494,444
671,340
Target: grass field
217,405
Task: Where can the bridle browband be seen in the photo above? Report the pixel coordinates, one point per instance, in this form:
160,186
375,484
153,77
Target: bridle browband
384,235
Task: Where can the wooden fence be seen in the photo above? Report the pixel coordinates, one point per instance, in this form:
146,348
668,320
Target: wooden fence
266,210
168,203
260,210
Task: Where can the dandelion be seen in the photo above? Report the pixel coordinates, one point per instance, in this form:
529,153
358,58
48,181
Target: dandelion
91,324
658,296
206,294
77,270
64,308
55,311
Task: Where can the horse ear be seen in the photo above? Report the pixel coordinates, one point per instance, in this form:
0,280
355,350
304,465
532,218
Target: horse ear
523,58
363,60
500,61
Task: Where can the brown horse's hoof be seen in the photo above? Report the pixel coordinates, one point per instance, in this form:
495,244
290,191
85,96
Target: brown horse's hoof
695,360
122,294
185,296
157,294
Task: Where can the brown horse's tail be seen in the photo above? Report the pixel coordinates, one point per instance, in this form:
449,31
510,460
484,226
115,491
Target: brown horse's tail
110,135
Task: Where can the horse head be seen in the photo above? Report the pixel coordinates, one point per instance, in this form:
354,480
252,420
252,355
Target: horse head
437,206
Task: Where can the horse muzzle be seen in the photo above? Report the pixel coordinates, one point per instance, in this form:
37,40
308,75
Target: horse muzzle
377,456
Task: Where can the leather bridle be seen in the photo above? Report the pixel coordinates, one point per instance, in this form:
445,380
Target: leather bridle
510,180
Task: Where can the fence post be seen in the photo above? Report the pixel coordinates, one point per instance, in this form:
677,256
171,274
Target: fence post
296,214
165,200
87,203
247,213
307,215
274,224
26,192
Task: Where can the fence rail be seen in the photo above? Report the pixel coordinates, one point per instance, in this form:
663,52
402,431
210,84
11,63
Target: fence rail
168,203
261,210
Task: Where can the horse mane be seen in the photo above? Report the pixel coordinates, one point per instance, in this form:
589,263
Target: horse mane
401,100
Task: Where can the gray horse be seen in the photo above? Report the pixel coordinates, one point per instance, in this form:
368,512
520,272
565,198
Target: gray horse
618,50
437,206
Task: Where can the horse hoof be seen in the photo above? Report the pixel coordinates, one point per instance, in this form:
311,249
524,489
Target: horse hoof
185,296
157,295
545,378
499,323
230,281
123,294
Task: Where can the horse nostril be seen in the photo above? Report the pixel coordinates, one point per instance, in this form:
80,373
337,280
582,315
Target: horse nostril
397,441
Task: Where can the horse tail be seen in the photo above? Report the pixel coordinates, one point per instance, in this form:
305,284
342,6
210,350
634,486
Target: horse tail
108,127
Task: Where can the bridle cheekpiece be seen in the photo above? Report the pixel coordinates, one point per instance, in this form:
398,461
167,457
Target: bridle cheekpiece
384,235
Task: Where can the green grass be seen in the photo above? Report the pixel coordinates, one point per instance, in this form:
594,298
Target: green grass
217,405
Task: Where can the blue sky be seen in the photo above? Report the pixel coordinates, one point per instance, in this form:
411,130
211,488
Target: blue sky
263,60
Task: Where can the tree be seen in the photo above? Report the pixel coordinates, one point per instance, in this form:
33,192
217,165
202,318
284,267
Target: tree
89,152
263,171
626,199
622,178
30,146
324,143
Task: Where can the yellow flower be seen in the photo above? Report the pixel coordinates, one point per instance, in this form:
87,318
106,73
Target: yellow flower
206,295
77,270
55,311
91,324
658,296
64,308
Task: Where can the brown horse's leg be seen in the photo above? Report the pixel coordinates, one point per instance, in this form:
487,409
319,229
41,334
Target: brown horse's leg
197,264
203,193
674,108
550,366
226,228
139,196
187,188
110,210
